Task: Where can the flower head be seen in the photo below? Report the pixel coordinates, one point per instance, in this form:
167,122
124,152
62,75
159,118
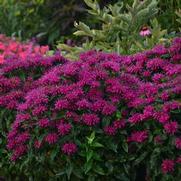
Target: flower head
167,166
69,148
171,127
145,31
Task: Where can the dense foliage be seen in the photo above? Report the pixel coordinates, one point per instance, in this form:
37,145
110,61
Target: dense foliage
46,20
102,116
113,114
124,30
50,20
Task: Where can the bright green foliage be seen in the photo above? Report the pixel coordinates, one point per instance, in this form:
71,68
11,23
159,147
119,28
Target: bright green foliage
178,13
119,31
20,17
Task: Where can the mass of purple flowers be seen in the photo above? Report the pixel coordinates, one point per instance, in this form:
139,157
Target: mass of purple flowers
101,92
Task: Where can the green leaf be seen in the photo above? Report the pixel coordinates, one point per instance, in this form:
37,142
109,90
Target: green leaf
88,166
125,146
69,170
96,144
61,173
89,155
54,153
80,33
106,121
126,168
140,159
78,173
99,170
118,115
113,147
92,4
91,178
91,138
97,157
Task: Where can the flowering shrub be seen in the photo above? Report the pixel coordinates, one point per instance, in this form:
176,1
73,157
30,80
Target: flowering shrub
17,76
102,117
12,49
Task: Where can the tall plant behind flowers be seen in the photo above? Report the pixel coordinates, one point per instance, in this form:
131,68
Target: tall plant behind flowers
121,28
102,117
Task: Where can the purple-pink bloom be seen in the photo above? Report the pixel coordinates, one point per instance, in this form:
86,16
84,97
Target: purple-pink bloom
167,166
61,104
171,128
51,138
145,31
64,128
43,123
90,119
138,136
110,130
69,148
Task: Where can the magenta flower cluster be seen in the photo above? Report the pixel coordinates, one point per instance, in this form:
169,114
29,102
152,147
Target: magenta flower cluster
138,94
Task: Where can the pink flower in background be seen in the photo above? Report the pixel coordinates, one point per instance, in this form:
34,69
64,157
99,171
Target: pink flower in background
167,166
1,59
11,48
145,31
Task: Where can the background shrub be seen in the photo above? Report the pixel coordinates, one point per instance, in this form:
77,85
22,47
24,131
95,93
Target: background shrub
50,21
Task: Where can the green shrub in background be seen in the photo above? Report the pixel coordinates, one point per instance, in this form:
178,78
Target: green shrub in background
178,13
119,28
46,20
50,21
21,18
